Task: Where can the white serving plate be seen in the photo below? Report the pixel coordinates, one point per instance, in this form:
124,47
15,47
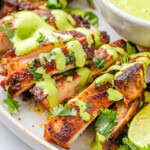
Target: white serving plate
28,128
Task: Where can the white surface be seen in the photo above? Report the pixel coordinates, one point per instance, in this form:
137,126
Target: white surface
8,141
34,135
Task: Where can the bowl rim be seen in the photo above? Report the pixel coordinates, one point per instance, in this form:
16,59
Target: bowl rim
125,15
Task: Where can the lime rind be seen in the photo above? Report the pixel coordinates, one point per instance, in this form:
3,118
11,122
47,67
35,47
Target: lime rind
139,130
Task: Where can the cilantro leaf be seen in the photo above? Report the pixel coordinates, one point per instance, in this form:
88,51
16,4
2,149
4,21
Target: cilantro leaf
127,144
124,147
40,40
125,60
91,18
130,48
60,111
106,121
7,30
70,59
89,105
56,4
91,3
99,62
32,70
13,105
37,76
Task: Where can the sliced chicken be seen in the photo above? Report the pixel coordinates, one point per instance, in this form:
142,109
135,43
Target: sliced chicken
73,86
80,22
131,79
64,130
125,114
11,62
21,80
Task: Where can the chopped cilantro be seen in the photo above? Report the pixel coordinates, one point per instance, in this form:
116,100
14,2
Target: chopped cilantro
60,111
7,30
106,121
40,40
13,105
56,4
70,59
125,60
91,18
127,145
99,62
89,105
131,49
91,3
32,70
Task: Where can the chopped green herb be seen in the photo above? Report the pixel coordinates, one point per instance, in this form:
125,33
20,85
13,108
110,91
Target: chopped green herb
60,111
40,40
130,49
70,59
91,3
89,105
72,133
125,60
91,18
106,121
127,145
13,105
7,30
99,62
32,70
56,4
37,76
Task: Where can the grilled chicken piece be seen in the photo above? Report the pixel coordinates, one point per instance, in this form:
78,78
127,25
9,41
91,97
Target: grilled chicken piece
130,82
80,22
11,62
66,89
60,129
73,86
125,114
18,79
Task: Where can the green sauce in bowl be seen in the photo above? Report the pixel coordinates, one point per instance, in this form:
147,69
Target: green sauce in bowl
137,8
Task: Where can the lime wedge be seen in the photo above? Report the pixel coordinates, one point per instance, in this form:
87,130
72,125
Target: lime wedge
139,130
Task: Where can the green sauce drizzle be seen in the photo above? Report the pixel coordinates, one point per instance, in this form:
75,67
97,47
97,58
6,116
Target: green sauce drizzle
84,73
113,51
59,58
63,20
48,85
77,50
28,31
106,78
114,95
82,106
88,33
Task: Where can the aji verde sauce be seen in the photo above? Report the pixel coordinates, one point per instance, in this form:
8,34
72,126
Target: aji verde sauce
28,27
83,107
84,73
137,8
48,85
113,51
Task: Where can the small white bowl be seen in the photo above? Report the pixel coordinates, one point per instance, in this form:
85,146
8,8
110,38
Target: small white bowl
132,28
